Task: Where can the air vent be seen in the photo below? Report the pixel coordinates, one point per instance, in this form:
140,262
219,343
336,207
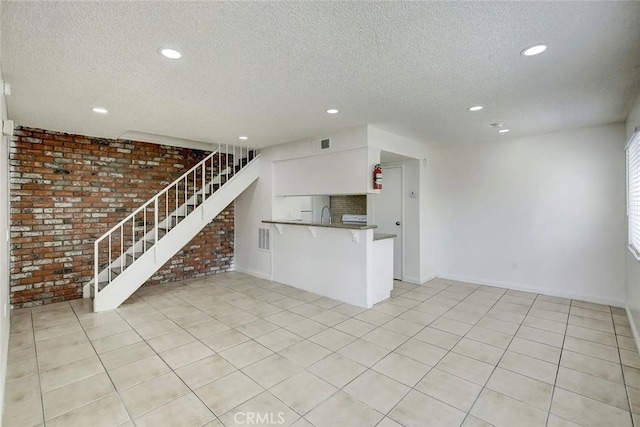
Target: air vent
264,239
324,144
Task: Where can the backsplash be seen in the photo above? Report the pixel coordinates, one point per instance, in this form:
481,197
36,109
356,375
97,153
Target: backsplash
347,205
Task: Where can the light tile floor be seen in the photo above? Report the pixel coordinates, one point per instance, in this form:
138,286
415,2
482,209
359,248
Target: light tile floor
236,350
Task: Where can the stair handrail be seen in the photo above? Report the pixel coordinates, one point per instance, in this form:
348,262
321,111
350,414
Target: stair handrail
148,202
201,164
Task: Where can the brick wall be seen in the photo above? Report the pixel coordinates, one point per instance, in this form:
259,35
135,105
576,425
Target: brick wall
67,190
340,205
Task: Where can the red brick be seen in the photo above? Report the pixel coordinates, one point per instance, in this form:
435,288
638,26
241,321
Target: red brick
102,178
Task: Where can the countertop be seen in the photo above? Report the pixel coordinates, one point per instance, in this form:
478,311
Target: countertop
381,236
317,224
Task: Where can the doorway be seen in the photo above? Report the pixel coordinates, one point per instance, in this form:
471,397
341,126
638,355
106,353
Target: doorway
388,213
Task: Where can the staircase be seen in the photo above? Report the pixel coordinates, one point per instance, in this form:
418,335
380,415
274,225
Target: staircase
132,251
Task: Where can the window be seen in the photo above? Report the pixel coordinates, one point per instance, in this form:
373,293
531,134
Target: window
633,193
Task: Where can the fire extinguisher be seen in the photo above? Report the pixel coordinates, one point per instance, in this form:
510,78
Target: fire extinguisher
377,177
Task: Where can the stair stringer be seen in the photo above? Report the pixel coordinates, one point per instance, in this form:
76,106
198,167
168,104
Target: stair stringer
123,286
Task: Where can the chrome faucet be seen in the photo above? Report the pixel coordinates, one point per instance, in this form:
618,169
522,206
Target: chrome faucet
322,215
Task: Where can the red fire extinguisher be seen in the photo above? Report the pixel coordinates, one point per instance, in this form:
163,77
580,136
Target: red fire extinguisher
377,177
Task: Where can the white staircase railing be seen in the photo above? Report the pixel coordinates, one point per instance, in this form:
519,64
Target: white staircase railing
118,248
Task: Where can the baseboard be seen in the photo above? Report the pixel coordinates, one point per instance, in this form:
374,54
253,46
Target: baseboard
632,324
545,291
412,280
255,273
428,278
418,280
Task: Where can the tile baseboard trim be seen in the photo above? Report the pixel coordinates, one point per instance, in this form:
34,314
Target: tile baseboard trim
418,281
616,302
412,280
254,273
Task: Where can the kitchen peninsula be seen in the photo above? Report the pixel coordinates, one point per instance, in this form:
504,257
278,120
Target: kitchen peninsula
345,262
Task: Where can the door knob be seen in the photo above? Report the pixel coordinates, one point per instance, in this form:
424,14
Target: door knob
397,222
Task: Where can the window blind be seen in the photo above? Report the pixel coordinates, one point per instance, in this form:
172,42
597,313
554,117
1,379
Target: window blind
633,192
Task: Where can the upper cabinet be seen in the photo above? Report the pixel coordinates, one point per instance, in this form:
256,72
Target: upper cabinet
341,172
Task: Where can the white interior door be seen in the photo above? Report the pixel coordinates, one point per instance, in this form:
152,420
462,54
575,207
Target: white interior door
388,213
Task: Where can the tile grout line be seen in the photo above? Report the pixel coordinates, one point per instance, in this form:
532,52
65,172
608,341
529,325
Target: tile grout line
73,309
620,363
332,352
35,342
381,324
305,369
478,288
163,361
555,380
215,352
35,349
484,386
594,357
38,370
142,340
37,373
412,388
253,339
327,327
624,377
448,351
103,367
506,349
369,368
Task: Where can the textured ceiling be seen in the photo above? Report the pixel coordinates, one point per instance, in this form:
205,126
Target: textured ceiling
270,70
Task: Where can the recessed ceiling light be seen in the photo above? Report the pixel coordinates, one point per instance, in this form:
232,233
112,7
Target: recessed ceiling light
170,53
503,131
475,108
100,110
534,50
332,111
243,138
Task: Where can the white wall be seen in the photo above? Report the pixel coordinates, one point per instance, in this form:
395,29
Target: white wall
410,216
545,213
288,208
256,203
632,264
4,254
419,245
329,262
338,172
